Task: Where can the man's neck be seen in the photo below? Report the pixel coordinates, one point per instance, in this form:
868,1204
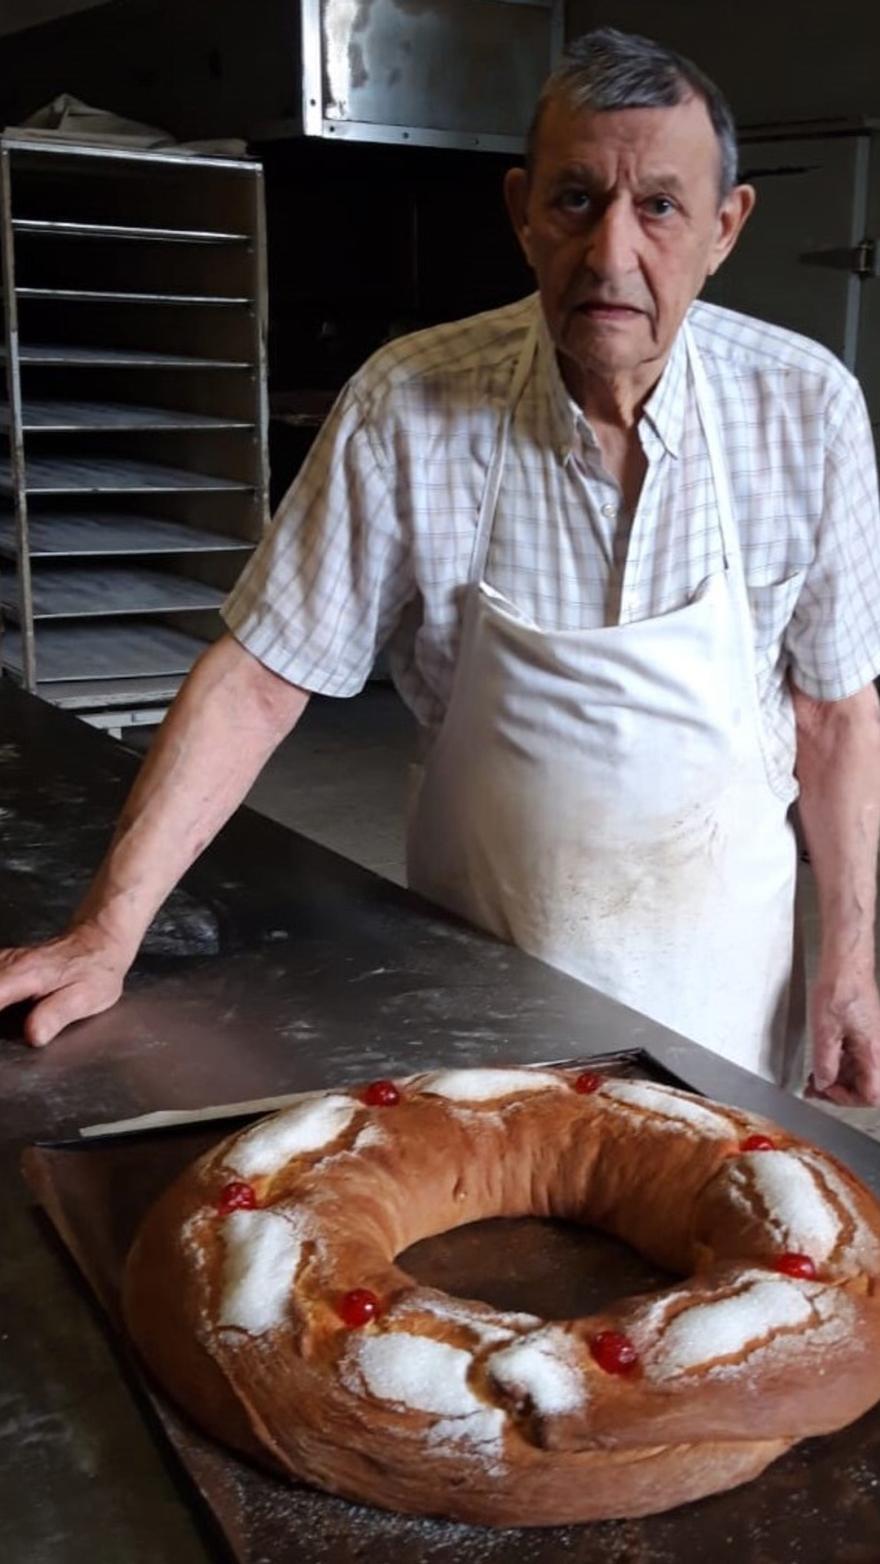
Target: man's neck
610,401
613,407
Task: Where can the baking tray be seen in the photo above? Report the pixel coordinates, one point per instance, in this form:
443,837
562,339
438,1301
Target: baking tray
820,1502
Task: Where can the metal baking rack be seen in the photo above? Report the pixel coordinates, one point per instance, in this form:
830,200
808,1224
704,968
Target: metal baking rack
134,481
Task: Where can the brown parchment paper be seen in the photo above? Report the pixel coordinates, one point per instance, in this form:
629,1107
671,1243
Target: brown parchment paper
821,1503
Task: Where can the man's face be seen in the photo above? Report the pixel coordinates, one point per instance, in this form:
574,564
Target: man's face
621,223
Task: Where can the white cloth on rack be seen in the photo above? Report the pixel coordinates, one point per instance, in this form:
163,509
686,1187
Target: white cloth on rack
67,118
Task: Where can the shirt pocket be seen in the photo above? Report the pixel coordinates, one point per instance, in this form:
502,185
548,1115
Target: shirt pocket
772,604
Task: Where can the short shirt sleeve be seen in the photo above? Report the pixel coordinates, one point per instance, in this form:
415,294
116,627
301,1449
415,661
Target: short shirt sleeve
833,640
326,586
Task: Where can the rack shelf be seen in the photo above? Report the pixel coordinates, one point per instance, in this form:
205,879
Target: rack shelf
60,534
105,296
72,652
65,230
76,592
62,417
135,468
108,475
148,693
65,356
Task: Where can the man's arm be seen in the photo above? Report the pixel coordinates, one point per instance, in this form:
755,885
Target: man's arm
229,716
838,768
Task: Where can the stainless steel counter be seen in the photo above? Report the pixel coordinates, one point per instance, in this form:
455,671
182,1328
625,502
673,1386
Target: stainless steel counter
277,966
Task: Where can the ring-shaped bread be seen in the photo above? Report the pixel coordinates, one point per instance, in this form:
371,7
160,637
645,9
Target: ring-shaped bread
262,1291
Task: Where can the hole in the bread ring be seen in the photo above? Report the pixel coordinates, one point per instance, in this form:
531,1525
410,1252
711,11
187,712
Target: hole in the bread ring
530,1265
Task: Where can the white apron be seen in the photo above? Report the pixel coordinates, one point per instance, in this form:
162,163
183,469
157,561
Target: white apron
601,797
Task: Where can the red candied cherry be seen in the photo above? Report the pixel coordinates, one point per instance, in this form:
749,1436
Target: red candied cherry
381,1094
236,1197
358,1307
799,1265
757,1143
587,1083
614,1352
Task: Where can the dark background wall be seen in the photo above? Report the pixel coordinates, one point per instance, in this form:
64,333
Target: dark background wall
17,14
776,59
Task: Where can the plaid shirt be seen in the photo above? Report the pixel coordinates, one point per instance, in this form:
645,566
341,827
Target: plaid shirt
372,543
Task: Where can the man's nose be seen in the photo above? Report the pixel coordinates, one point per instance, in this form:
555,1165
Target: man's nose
611,247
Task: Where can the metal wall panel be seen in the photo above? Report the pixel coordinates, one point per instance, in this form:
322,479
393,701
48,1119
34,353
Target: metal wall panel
443,72
791,265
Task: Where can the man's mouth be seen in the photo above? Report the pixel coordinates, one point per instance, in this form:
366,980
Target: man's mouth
606,309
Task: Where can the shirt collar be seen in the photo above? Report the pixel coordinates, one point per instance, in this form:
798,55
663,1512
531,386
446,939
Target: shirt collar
664,410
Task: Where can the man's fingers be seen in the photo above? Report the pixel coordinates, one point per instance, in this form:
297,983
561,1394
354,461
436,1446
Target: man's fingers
827,1050
68,978
861,1073
22,976
61,1009
43,1023
841,1096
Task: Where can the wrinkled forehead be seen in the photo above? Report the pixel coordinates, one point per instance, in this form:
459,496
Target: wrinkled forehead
678,141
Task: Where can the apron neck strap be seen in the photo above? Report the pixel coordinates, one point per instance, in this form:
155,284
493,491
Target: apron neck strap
489,503
707,411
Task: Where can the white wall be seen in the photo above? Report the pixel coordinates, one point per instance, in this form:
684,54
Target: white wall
775,59
18,14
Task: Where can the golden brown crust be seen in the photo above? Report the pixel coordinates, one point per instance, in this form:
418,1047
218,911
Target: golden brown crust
421,1410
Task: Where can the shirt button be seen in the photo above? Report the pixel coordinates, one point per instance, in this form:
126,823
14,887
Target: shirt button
609,512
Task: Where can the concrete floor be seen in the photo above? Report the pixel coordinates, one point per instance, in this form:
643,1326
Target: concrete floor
341,779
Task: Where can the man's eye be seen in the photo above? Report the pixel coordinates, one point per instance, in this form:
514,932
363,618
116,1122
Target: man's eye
660,206
574,200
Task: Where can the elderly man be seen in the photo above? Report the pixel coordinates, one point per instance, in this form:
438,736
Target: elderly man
624,550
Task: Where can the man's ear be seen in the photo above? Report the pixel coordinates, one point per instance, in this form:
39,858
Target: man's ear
733,214
516,197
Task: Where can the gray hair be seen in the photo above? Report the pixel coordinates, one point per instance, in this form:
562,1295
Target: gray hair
607,69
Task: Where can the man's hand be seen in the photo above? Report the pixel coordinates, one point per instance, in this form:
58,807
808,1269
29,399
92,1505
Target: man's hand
72,977
846,1041
838,768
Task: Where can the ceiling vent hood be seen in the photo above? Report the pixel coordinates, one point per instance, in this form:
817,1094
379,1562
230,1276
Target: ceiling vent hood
443,73
462,73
